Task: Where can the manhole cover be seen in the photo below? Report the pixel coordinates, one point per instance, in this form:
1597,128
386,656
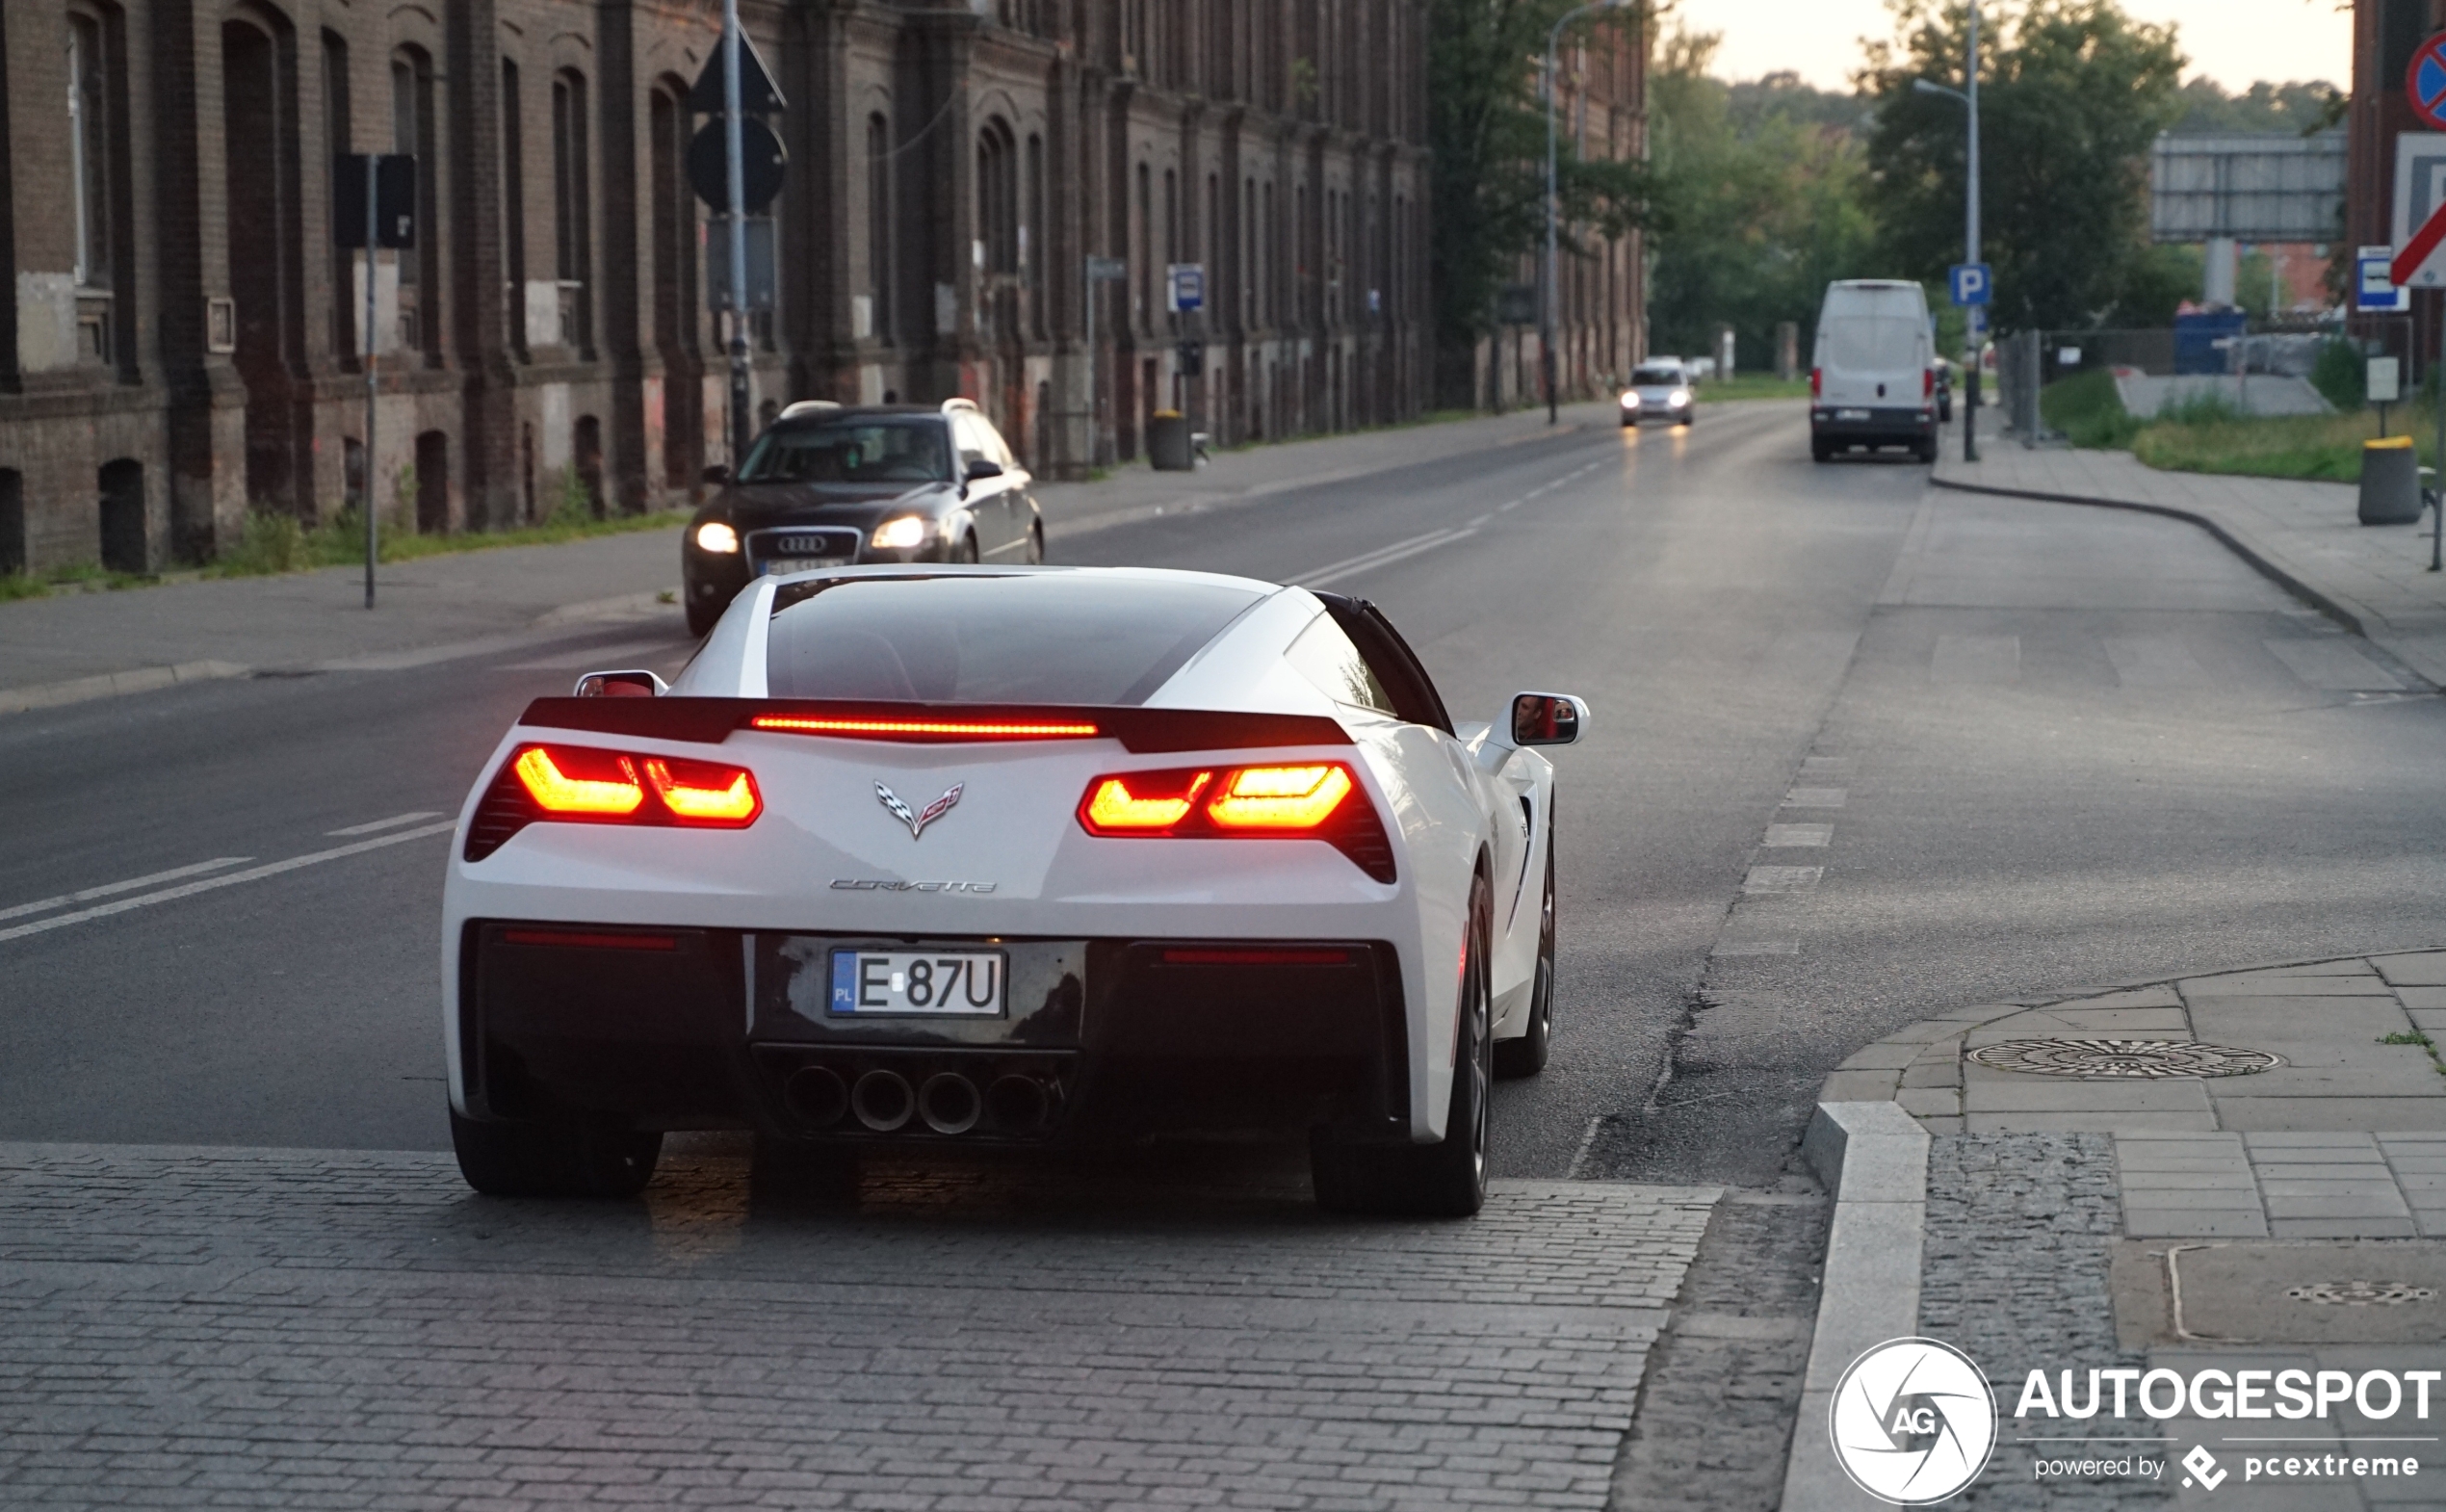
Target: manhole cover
2136,1059
2361,1293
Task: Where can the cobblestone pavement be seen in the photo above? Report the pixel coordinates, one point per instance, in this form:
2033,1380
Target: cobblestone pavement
2015,1265
347,1329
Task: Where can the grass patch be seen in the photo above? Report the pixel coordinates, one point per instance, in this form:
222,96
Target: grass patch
277,544
2206,433
2413,1038
1752,385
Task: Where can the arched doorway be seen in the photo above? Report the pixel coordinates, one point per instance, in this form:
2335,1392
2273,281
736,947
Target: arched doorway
122,487
432,483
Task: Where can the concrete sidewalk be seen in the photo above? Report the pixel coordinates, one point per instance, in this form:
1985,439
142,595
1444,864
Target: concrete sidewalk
2240,1169
70,647
2306,535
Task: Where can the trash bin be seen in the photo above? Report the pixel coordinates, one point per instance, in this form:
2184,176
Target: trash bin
1168,442
2390,481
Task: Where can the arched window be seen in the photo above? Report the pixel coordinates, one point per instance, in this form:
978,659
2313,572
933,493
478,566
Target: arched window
96,96
573,242
1035,249
513,216
415,132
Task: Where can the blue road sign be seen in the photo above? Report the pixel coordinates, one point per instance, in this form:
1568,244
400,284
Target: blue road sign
2373,288
2425,82
1188,283
1971,282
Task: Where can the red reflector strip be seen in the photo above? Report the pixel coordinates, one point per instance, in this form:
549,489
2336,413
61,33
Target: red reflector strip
1257,957
927,729
572,939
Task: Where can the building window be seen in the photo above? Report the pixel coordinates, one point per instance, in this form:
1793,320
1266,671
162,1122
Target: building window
420,267
347,295
1033,250
571,212
94,163
880,221
513,211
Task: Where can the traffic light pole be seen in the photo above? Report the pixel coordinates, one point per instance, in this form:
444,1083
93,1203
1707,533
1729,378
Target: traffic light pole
739,400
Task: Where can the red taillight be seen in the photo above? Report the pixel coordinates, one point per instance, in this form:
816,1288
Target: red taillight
1817,383
573,780
591,940
1255,956
1283,799
922,729
704,793
587,785
1928,383
1314,800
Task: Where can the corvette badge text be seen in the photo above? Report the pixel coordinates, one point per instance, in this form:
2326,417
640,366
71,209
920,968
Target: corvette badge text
867,884
1914,1422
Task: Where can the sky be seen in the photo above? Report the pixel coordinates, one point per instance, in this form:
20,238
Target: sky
2232,42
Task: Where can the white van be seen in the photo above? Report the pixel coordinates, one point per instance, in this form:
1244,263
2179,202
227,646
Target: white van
1874,381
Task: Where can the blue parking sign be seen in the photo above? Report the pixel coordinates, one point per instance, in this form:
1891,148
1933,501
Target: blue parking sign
1971,282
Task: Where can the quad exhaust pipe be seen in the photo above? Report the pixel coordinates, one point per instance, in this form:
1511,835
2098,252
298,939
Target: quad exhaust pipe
948,1103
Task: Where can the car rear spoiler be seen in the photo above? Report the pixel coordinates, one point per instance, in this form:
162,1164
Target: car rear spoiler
709,721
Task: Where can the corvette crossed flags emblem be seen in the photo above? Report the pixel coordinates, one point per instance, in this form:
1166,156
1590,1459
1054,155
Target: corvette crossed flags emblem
918,820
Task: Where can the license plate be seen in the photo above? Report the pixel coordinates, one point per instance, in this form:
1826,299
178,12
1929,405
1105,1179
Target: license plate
803,563
961,984
1850,414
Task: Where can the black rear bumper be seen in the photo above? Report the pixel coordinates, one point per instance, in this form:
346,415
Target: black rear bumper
674,1029
1879,426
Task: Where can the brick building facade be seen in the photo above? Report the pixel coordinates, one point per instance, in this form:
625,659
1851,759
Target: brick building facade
183,343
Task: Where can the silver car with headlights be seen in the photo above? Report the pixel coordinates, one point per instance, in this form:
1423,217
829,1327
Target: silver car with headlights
1659,391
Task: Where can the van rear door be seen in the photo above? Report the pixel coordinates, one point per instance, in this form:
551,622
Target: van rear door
1872,353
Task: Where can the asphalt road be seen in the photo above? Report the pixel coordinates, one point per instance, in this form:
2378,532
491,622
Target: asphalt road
2072,746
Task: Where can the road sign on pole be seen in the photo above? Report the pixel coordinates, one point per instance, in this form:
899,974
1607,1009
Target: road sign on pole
1184,285
2374,289
1971,283
2420,191
2425,82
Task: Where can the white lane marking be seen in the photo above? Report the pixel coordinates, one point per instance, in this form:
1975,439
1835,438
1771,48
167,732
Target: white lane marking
601,659
250,874
1386,555
2154,661
1782,879
107,889
393,822
1579,1157
1785,835
2329,662
1816,797
1976,659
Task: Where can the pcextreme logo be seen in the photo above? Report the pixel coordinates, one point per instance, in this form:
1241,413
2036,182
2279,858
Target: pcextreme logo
1914,1422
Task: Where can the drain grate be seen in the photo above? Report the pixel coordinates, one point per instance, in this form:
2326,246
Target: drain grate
2129,1059
2361,1293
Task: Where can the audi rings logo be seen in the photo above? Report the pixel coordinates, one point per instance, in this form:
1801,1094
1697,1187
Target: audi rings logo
1913,1421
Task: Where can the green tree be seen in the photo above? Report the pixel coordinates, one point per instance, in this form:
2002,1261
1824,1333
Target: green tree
1761,185
1488,133
2070,94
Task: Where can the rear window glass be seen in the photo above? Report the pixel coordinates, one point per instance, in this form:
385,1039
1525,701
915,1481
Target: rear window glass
1053,638
851,451
1871,344
1650,378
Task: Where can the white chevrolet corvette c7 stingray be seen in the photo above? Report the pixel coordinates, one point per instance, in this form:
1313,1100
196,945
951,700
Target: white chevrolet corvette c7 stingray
914,854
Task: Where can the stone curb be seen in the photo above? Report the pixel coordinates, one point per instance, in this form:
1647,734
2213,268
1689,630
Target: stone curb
1873,1157
555,624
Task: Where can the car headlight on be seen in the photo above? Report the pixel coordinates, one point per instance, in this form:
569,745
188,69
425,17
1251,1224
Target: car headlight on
909,529
1679,398
1630,401
716,537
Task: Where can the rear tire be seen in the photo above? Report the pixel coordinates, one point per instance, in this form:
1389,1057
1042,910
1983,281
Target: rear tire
1037,544
1928,451
1447,1179
701,620
1526,1056
556,1157
1820,452
965,553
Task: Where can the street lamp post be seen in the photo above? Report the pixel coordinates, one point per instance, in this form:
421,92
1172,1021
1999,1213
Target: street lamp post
1970,97
1546,316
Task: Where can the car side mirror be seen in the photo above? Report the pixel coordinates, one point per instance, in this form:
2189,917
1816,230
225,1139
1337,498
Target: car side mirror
717,475
981,468
635,683
1548,718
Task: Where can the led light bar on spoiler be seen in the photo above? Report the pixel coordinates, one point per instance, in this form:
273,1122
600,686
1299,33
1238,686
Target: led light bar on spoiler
709,721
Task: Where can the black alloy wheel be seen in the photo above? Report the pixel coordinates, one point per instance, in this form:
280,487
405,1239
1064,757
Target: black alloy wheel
1447,1179
1526,1056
